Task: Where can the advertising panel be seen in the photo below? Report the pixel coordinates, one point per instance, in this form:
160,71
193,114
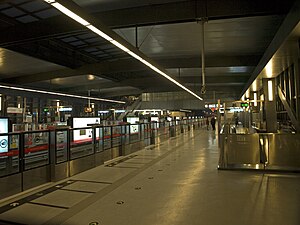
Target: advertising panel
84,122
3,139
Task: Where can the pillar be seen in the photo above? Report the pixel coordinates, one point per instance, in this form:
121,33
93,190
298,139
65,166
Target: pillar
270,105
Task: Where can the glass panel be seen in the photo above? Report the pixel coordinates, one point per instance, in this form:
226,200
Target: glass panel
99,139
36,149
134,133
9,154
142,128
61,146
116,136
81,142
107,138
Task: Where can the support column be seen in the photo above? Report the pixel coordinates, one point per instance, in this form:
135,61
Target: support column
270,105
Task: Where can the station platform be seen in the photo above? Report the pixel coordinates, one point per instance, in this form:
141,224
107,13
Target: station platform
175,182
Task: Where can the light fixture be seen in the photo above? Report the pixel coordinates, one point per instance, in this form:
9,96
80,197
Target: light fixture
85,23
269,69
254,85
57,106
91,77
255,98
99,32
248,94
243,97
58,94
70,14
270,90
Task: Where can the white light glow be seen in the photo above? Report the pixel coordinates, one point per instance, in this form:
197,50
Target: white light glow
254,85
59,94
135,56
255,98
248,93
120,46
243,98
269,69
270,90
57,106
91,77
99,32
70,14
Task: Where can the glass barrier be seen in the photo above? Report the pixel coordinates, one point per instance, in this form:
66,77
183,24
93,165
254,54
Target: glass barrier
134,133
125,134
36,149
99,139
61,144
107,137
116,136
9,154
81,143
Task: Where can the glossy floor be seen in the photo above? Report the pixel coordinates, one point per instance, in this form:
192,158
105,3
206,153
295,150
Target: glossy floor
173,183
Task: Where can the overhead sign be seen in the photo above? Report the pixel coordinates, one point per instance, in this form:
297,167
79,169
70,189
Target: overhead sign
244,104
14,110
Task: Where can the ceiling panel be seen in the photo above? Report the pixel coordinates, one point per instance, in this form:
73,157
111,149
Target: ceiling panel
15,64
241,36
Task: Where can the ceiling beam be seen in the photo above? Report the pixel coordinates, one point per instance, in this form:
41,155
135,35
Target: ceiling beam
156,14
287,26
103,69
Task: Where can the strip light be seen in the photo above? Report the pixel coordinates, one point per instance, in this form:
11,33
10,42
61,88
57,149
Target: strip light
270,90
85,23
59,94
255,98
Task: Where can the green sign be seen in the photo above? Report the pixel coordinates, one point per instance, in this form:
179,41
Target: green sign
244,104
46,110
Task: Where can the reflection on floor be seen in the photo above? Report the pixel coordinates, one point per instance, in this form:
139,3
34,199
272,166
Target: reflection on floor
174,183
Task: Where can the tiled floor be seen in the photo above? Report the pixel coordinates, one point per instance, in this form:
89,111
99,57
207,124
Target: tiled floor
172,184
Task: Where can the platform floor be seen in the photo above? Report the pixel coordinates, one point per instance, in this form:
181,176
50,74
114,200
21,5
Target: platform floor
173,183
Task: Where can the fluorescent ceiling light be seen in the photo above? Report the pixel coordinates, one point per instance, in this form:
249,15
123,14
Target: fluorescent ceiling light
120,46
255,98
270,90
100,33
80,20
59,94
135,56
70,14
269,69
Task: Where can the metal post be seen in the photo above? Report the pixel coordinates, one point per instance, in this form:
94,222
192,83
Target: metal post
203,90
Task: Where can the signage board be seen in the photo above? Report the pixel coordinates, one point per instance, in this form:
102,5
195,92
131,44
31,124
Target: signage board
14,110
84,122
3,139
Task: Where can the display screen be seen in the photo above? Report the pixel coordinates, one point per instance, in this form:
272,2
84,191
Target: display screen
3,139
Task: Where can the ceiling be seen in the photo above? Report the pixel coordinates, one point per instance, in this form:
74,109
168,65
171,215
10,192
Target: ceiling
41,48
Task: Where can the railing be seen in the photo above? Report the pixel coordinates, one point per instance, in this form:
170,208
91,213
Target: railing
262,151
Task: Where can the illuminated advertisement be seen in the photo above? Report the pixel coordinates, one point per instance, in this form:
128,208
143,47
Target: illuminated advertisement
3,139
84,122
133,120
134,129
